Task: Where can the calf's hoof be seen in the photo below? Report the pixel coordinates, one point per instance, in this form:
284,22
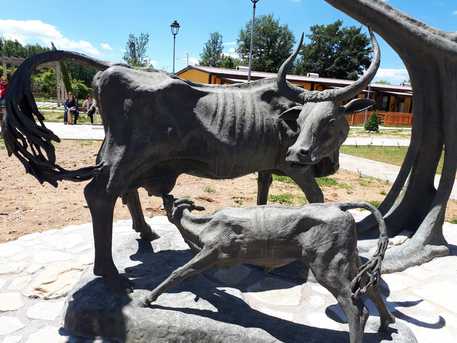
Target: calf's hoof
385,322
146,233
151,298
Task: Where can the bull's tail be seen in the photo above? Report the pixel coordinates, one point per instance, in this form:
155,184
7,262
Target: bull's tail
24,131
370,272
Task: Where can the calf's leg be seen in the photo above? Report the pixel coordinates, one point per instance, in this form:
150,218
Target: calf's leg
264,181
335,274
384,313
132,200
205,259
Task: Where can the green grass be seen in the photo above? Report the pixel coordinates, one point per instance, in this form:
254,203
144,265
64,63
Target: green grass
2,144
391,155
209,189
283,199
287,199
453,221
375,203
281,178
321,181
326,182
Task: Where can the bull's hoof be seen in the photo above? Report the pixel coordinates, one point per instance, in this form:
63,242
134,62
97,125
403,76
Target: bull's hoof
119,284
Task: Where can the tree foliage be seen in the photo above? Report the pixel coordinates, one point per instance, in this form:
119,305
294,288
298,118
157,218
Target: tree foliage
212,51
44,80
135,50
12,48
335,51
229,62
372,123
272,44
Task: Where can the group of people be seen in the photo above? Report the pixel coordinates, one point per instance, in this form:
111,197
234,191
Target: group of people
71,109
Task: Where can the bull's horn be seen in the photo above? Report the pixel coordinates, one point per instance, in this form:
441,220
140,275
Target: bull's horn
348,92
283,85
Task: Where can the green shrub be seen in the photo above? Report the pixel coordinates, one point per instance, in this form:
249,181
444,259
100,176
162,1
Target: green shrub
372,123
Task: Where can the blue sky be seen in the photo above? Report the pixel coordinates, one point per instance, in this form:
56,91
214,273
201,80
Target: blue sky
100,28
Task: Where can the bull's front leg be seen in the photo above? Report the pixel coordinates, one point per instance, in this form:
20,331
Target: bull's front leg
101,206
264,181
304,178
132,199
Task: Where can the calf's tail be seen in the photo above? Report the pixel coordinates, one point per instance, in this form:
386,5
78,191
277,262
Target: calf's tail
24,131
370,272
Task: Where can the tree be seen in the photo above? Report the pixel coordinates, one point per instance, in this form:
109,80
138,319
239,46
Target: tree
372,123
273,43
335,51
135,50
229,62
212,51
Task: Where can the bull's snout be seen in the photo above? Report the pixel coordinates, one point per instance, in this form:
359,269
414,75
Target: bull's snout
300,156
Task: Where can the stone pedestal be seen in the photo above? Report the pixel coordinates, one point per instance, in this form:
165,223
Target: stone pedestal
242,304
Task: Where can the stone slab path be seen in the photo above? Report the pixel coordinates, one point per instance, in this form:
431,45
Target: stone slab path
37,271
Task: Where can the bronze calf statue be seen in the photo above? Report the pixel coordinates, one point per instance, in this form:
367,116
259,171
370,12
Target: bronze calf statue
323,236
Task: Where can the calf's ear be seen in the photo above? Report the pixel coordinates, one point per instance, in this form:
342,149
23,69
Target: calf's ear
358,105
289,117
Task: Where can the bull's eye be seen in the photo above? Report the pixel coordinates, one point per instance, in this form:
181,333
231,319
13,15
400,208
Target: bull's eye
331,122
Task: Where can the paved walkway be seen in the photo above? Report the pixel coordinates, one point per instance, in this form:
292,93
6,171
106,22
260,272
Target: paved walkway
37,271
378,170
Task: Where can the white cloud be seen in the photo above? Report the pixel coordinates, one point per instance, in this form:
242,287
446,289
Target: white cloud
106,46
37,31
232,53
393,76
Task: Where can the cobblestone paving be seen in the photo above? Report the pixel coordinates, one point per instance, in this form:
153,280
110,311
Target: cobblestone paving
38,270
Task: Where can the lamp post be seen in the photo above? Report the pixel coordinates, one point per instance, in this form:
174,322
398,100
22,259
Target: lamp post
174,31
254,6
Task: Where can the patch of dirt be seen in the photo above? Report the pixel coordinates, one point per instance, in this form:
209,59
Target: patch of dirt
26,206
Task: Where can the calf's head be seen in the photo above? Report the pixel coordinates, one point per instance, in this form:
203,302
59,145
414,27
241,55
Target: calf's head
320,125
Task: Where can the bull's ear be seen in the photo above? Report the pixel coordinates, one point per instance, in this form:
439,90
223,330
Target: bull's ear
290,116
358,105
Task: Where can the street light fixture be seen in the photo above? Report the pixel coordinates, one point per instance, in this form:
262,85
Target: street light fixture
174,31
254,6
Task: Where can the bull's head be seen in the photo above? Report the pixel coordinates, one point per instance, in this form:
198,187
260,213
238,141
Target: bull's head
320,125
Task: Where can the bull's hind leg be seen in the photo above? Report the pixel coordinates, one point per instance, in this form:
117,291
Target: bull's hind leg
101,206
264,181
132,199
